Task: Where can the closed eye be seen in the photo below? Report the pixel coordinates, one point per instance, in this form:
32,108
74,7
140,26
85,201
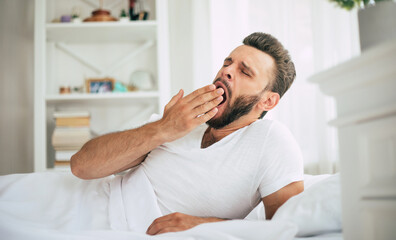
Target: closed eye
245,73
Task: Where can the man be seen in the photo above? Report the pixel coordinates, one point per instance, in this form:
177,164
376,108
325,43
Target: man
223,170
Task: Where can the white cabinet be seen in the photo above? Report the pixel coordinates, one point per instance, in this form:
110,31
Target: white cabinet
364,89
66,54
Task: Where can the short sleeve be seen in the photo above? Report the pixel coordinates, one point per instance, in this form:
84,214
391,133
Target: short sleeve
281,160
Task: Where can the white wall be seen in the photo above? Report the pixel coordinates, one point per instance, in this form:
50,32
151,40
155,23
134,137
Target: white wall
181,45
190,45
16,91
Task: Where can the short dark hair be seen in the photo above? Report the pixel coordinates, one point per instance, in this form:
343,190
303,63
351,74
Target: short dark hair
284,72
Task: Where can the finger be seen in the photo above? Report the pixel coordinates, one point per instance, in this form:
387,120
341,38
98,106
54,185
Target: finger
175,98
207,116
160,226
160,219
154,228
168,217
169,229
206,97
204,108
199,91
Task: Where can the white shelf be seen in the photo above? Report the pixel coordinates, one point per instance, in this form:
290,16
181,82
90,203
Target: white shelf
100,96
56,54
101,32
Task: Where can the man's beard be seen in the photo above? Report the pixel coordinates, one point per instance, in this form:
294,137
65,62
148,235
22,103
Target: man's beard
242,106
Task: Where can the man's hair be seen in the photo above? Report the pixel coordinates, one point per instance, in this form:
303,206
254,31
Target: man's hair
284,72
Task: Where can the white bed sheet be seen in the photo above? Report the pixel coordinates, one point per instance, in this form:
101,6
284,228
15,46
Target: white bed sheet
326,236
55,205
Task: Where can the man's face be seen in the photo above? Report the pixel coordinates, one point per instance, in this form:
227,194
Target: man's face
243,76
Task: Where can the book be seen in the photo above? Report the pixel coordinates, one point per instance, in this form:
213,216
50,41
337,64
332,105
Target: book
71,114
62,166
70,134
62,156
75,130
71,144
72,122
73,138
61,163
67,148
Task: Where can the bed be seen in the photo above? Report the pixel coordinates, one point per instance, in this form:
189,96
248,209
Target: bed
55,205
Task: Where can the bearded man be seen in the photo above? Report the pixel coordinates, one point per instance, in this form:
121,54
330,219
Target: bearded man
222,169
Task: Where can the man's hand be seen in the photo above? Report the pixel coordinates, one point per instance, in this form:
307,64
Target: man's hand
182,115
176,222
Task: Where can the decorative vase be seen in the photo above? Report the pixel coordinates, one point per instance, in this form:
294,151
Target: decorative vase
124,19
100,15
377,23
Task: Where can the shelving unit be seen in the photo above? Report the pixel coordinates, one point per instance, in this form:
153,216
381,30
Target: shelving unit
90,31
69,53
101,96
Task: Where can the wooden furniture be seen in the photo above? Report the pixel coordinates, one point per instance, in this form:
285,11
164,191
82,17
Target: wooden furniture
365,92
66,54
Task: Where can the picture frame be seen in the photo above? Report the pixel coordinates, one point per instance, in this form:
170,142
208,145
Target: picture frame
99,85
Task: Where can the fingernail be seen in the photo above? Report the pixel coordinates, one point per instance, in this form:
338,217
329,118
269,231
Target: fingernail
212,87
219,98
220,90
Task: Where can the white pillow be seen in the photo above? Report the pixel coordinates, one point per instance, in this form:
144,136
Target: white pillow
310,180
315,211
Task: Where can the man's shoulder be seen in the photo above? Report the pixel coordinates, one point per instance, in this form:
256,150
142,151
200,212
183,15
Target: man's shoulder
269,129
267,125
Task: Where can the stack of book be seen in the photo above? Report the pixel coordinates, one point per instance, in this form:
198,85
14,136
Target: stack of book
71,132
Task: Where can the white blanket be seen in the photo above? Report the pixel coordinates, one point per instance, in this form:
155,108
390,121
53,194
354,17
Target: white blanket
55,205
133,203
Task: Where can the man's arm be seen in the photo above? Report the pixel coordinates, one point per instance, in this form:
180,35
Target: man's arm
176,222
273,201
179,222
115,152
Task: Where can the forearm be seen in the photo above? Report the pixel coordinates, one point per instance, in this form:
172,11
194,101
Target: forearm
214,219
111,153
175,222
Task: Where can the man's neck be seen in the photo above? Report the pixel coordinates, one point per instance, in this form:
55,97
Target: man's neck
212,135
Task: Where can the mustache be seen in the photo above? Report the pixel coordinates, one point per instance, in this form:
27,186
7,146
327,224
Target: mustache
226,84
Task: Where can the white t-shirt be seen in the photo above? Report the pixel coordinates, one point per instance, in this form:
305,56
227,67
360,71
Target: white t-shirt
227,179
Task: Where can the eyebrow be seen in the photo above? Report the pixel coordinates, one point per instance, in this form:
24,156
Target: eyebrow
228,59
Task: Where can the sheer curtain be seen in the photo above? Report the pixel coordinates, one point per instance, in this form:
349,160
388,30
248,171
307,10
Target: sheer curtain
317,34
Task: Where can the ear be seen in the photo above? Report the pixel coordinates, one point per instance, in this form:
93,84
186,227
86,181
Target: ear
269,101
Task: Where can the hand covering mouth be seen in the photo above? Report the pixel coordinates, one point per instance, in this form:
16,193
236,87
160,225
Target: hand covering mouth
224,96
219,84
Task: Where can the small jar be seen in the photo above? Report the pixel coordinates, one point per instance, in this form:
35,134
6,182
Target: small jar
64,90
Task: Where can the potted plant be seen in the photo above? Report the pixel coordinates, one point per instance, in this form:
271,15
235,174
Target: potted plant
377,20
75,17
124,16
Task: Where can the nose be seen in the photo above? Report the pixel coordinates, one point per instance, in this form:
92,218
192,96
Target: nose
228,73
